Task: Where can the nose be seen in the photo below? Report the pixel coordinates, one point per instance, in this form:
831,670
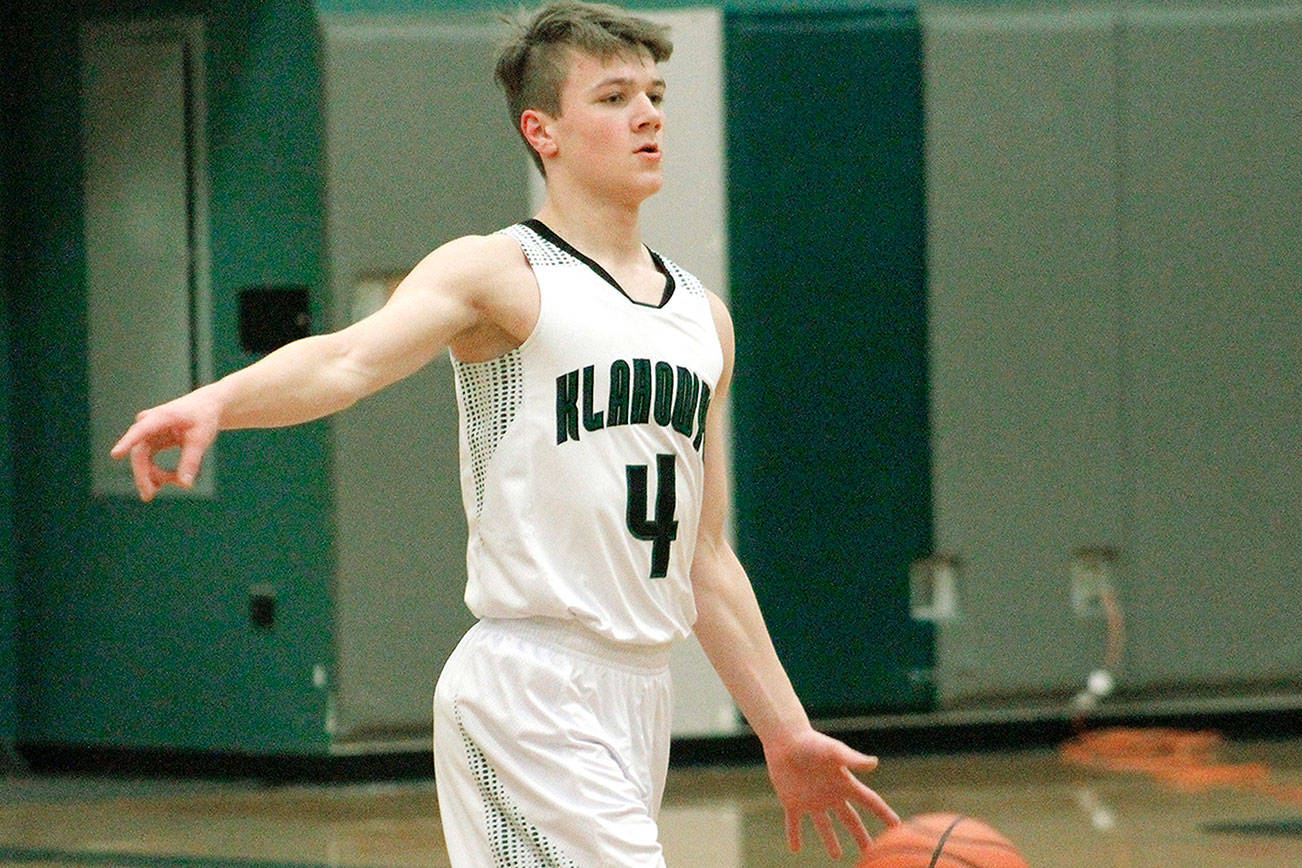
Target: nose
647,113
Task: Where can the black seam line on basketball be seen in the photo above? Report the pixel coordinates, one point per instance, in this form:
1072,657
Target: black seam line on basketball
950,859
549,234
940,845
969,841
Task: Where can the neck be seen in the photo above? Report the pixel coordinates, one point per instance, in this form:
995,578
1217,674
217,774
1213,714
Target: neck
599,228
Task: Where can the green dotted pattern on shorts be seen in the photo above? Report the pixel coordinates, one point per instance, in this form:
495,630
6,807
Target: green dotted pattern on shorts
515,842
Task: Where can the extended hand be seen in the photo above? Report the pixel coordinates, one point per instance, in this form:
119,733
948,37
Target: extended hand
184,423
815,774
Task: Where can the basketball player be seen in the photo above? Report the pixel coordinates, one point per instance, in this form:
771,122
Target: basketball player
590,374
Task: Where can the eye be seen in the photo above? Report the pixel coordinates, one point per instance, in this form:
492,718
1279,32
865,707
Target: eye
613,99
656,97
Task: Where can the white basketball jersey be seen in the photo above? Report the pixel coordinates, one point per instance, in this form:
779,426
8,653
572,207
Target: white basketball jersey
581,452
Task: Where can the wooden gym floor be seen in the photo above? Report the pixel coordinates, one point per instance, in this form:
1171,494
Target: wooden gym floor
1240,807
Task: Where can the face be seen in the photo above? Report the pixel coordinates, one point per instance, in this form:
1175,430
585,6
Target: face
608,135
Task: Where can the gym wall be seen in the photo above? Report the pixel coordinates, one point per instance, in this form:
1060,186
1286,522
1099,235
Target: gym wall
8,612
832,462
417,153
1063,296
134,625
1113,291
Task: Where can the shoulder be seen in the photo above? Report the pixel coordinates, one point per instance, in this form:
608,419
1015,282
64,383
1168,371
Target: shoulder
474,264
488,278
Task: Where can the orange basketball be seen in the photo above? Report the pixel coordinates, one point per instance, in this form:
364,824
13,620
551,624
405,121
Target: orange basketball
942,841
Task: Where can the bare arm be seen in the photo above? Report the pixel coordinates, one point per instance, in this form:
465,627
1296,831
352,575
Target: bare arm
440,300
812,773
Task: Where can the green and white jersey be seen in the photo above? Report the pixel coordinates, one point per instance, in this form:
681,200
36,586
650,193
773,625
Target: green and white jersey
581,452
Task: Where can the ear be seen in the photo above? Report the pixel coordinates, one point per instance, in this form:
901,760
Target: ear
536,127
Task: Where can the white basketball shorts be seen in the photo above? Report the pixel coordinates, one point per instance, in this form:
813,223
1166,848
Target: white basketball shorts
551,746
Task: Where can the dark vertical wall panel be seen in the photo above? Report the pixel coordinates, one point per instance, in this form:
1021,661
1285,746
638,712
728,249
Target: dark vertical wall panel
8,629
134,626
832,459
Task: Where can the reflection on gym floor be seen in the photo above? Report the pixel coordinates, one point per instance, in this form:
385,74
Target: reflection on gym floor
1144,803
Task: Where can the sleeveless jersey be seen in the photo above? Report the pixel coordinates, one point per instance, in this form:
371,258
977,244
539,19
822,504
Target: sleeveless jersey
581,450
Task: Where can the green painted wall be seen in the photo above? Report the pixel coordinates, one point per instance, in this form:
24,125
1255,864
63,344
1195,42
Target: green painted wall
134,619
826,229
8,629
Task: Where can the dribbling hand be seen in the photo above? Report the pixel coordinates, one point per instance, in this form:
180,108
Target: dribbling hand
814,774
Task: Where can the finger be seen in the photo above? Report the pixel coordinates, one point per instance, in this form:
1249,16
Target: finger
793,831
193,447
142,466
124,444
129,438
873,802
854,825
161,477
861,762
831,843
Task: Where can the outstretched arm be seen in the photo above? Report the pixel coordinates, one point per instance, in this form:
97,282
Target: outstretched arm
812,773
322,374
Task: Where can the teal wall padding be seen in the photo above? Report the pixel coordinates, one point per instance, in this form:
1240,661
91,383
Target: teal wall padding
8,612
134,628
832,462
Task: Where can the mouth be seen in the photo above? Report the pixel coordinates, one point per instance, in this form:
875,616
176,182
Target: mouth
650,148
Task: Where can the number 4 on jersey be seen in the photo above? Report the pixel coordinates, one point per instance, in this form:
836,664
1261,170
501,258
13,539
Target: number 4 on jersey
661,530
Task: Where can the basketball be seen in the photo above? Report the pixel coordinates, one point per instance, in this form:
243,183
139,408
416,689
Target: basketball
942,841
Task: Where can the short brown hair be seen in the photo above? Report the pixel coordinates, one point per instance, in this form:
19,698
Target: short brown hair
532,62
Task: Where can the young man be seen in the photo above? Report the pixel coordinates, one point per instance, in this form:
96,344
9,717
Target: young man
590,373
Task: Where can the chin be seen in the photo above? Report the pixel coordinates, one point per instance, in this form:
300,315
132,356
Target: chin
630,189
651,184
